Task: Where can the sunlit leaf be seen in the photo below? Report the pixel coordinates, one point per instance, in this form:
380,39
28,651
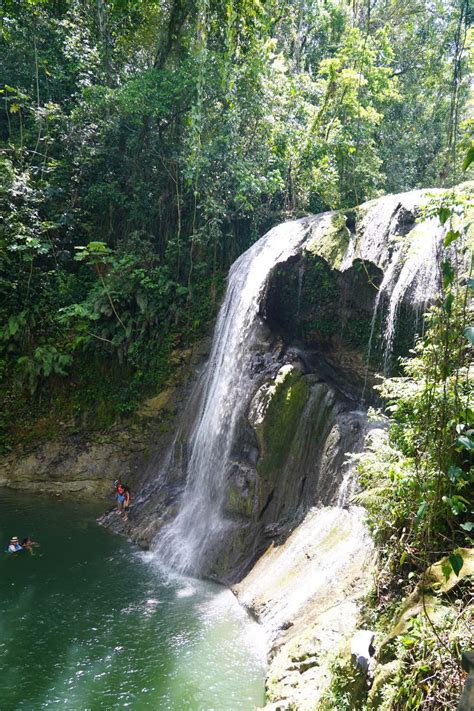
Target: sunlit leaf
469,158
451,237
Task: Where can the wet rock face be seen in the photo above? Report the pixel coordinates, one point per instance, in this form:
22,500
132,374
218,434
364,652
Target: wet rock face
303,428
338,310
328,314
296,434
306,593
321,308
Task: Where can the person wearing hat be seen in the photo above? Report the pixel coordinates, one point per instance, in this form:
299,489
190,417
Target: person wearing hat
14,545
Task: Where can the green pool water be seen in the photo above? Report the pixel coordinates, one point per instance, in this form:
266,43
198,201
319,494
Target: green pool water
90,622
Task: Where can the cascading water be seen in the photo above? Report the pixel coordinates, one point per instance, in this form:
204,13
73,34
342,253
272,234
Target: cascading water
205,451
419,272
387,279
410,261
227,388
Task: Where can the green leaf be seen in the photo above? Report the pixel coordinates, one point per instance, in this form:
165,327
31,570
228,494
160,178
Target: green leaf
421,511
454,473
98,247
469,158
444,213
457,504
448,303
468,526
448,273
13,325
446,568
451,237
469,333
457,562
466,442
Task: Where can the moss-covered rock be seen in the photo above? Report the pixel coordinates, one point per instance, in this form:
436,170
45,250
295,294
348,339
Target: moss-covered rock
153,406
240,495
331,241
281,420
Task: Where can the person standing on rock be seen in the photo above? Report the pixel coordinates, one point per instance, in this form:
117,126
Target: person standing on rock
126,503
123,495
120,498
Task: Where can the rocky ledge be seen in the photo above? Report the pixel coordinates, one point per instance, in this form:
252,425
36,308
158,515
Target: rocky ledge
87,465
306,593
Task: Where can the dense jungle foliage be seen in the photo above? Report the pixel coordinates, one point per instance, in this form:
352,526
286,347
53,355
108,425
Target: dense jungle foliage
146,143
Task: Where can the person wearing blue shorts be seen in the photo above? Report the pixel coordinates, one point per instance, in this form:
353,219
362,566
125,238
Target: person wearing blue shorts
120,499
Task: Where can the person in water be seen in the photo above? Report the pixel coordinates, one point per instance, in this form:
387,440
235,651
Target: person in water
14,545
27,544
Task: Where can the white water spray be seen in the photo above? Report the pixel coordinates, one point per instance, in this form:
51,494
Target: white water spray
227,387
409,262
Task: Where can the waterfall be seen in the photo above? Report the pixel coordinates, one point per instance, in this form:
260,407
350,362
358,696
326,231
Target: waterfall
226,388
408,257
387,279
419,273
204,450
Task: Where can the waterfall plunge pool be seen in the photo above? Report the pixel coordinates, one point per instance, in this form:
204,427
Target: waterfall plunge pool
91,622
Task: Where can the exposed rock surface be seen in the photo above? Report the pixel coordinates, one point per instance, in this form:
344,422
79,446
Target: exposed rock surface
88,466
67,466
306,593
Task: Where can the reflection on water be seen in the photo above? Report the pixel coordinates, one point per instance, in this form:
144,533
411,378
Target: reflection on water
89,622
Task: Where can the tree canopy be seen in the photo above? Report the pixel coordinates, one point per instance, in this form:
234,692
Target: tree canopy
146,143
